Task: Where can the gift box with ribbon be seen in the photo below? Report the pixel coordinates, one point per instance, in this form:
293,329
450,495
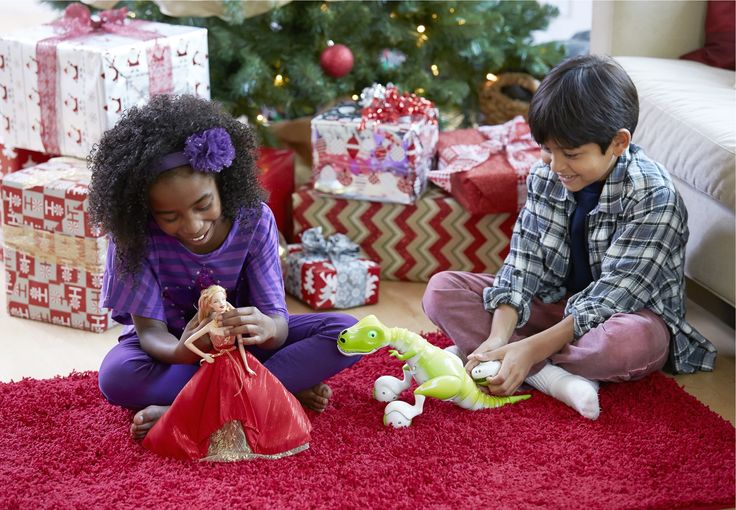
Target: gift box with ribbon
486,168
329,272
54,257
65,83
381,152
411,241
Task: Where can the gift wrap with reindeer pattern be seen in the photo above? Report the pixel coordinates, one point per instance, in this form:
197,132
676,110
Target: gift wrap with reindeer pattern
63,101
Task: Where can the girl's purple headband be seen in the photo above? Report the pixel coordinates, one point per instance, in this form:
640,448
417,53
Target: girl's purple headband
208,151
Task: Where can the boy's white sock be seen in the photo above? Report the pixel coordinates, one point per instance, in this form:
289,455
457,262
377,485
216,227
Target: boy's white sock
578,392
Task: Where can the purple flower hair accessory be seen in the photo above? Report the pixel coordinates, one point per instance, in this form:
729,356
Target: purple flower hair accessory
210,150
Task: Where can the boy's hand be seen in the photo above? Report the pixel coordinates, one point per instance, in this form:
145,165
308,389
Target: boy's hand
248,321
516,361
490,344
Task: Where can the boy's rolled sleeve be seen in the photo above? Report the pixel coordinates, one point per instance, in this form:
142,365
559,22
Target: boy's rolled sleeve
494,296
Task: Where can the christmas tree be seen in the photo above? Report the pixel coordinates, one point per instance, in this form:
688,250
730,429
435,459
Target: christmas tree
295,59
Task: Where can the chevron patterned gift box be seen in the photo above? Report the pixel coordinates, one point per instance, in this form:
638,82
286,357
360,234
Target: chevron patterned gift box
411,241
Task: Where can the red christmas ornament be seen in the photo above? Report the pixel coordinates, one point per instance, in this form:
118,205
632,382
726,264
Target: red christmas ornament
337,60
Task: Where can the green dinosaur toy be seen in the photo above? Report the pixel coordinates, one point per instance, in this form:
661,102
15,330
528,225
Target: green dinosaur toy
439,373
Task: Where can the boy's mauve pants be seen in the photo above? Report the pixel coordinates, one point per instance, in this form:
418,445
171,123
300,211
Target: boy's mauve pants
625,347
131,378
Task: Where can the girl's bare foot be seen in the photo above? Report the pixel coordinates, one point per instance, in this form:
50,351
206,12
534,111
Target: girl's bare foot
316,397
145,419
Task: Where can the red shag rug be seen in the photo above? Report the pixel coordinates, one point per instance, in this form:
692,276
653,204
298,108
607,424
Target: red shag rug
654,447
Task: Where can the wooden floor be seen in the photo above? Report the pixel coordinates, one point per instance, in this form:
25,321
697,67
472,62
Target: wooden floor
38,350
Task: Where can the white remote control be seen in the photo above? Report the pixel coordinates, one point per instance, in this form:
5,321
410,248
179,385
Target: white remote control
486,369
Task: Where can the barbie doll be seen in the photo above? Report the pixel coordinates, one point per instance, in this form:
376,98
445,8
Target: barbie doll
232,408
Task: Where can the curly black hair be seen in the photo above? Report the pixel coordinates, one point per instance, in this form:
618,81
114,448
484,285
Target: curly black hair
121,168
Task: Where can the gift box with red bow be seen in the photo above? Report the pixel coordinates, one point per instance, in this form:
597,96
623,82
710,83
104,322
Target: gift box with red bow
329,273
66,83
54,257
486,168
381,152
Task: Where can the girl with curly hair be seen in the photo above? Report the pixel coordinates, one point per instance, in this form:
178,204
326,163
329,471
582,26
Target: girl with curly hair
174,183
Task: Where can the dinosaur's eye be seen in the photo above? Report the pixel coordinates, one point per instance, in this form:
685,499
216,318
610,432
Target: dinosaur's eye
372,334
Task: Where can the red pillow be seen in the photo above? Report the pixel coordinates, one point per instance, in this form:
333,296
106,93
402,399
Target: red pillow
720,36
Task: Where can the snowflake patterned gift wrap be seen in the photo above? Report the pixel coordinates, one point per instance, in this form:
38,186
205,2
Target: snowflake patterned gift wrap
11,160
328,273
378,161
54,258
64,84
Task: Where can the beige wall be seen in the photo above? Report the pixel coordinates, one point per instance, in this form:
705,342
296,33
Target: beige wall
647,28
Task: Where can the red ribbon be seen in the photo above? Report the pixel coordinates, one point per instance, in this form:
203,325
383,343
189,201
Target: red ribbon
79,22
396,105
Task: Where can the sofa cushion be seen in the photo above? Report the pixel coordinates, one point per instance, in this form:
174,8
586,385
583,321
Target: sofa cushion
686,121
720,34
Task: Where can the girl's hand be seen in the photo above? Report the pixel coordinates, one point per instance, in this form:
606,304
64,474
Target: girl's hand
203,342
516,361
192,327
208,358
248,321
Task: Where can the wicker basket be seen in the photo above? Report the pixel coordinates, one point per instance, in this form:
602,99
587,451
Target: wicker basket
497,107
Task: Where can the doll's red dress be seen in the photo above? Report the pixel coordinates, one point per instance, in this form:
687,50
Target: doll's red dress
226,414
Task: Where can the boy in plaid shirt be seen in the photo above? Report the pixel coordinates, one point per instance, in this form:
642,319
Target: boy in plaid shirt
592,289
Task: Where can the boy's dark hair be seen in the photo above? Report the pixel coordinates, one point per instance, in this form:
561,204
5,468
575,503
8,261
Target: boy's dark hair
585,99
121,168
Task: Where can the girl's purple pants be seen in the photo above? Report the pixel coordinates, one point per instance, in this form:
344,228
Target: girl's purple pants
129,377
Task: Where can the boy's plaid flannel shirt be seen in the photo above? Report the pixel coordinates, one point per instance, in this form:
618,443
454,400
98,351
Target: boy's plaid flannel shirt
636,238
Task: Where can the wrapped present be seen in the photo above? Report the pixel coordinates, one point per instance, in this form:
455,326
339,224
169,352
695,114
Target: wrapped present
412,241
63,84
486,168
12,159
277,177
381,153
54,257
329,273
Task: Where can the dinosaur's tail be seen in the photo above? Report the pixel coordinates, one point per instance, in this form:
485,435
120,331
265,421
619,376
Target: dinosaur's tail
485,401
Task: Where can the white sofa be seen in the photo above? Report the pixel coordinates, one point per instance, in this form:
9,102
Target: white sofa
687,122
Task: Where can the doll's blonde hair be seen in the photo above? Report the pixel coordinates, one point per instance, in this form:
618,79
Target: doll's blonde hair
205,299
